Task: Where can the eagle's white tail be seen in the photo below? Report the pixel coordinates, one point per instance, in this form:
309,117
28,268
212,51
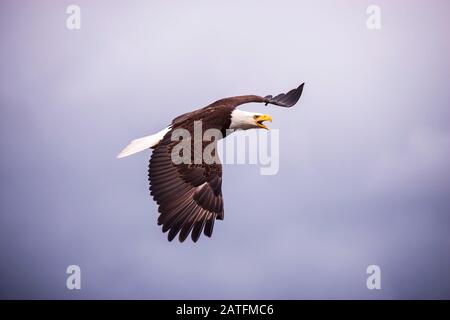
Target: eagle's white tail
143,143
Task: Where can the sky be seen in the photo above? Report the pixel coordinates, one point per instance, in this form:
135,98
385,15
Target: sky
363,176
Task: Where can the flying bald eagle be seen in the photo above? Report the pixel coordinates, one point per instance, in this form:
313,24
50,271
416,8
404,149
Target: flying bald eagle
189,195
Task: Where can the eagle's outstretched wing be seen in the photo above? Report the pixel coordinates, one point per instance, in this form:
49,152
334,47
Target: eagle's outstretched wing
285,100
189,196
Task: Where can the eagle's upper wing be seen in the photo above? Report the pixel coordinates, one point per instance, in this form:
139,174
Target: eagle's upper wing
189,196
286,100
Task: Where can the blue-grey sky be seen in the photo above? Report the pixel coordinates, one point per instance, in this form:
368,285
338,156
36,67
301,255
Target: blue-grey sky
364,156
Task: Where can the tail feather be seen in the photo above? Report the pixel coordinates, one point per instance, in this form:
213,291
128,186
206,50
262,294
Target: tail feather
142,144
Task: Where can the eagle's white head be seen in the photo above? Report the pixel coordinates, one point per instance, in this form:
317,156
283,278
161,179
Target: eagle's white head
243,120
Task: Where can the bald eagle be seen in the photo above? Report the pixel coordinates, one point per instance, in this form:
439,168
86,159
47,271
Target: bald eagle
189,195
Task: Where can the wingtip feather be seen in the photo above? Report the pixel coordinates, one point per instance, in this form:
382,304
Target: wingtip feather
286,100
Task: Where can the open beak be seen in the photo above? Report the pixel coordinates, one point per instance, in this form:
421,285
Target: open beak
260,119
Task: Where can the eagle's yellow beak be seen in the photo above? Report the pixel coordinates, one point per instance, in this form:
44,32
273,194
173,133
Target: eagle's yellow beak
260,119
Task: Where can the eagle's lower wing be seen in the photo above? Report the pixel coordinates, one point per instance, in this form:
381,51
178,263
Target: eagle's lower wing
189,196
